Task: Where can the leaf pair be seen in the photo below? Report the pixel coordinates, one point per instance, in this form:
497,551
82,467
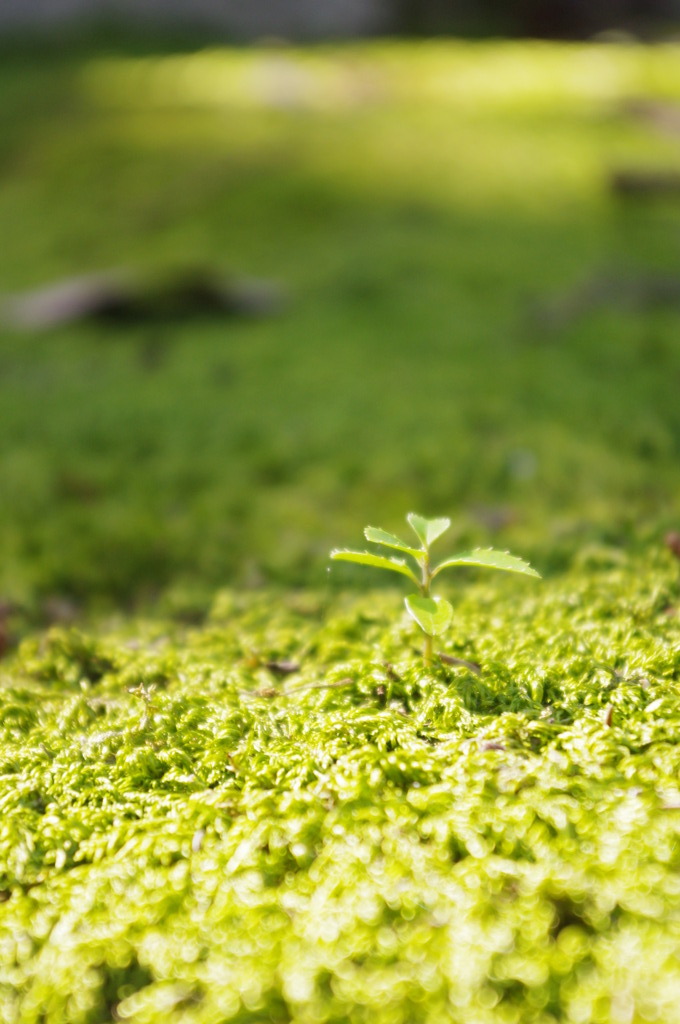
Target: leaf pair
427,531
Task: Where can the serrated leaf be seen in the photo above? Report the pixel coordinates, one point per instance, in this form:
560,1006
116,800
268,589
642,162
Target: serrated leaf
366,558
427,530
489,558
378,536
433,614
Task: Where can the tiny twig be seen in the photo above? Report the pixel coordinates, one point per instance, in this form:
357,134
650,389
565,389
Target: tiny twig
448,659
282,668
270,692
320,686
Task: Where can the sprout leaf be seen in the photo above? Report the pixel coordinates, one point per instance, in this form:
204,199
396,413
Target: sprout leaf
433,614
366,558
388,540
427,530
489,558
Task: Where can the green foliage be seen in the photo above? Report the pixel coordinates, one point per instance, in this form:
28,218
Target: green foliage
377,536
432,615
427,530
482,557
377,561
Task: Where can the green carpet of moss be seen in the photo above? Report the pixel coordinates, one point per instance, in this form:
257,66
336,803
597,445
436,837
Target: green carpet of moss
188,836
190,833
417,203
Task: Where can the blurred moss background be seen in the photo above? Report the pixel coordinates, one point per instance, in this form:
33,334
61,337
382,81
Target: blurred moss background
426,207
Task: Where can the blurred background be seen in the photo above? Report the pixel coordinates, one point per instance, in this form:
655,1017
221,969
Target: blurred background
271,272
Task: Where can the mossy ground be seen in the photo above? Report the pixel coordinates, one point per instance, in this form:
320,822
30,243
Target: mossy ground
418,203
189,834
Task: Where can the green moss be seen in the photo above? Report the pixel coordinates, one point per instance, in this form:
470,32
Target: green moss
360,838
192,830
417,203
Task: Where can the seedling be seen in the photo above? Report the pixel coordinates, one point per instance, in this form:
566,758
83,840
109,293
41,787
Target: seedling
432,613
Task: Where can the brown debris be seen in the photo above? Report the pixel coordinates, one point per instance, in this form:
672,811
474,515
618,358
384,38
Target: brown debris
123,296
282,668
672,542
602,290
271,692
639,184
448,659
664,117
57,609
7,638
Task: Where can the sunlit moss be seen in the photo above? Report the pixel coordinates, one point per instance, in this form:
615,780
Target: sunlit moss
406,846
459,121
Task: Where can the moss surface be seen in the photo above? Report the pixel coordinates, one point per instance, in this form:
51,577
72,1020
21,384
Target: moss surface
420,204
259,807
278,815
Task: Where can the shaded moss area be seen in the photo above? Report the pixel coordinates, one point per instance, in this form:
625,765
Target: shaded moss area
279,815
422,207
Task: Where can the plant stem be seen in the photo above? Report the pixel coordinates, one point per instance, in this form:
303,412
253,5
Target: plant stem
426,576
425,591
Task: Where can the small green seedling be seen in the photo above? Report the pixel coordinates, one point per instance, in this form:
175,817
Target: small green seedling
432,613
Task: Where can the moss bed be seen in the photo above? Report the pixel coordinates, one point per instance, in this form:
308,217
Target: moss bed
278,815
230,793
420,205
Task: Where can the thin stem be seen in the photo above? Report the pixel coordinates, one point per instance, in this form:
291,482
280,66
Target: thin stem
426,574
425,591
